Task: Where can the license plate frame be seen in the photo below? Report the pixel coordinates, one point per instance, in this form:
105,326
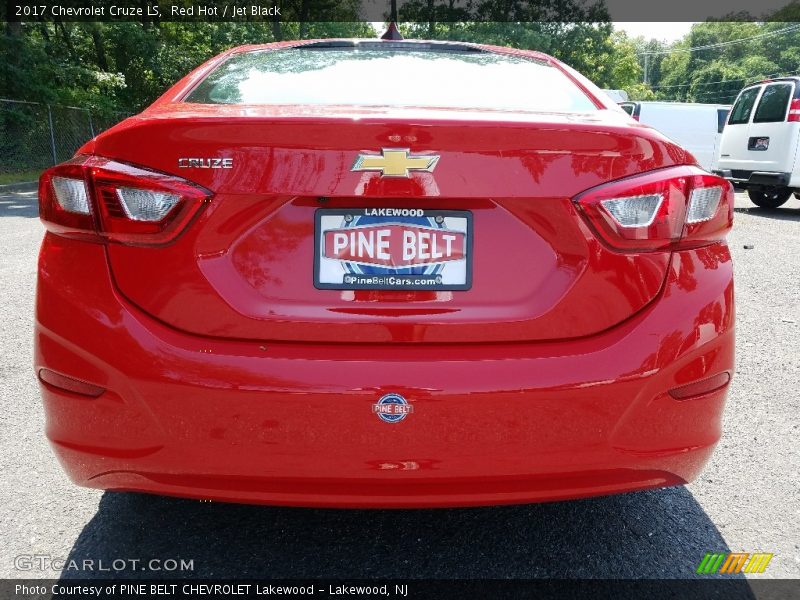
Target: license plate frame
451,274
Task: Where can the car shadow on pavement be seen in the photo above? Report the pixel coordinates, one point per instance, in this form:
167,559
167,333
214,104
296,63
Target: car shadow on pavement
779,214
19,204
654,534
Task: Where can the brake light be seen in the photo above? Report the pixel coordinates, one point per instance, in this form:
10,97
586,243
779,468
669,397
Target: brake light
97,199
670,209
794,111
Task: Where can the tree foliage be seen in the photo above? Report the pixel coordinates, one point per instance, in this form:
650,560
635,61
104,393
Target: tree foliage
567,29
123,66
716,59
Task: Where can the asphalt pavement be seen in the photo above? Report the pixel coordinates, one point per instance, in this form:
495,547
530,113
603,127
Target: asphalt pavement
746,500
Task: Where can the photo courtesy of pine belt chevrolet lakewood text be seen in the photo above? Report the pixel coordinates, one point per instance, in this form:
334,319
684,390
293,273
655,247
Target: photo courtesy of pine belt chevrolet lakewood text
383,273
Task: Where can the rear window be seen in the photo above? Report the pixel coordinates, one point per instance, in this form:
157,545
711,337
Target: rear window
773,104
722,116
744,106
391,77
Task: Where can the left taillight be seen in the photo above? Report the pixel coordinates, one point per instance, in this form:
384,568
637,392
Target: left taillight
670,209
97,199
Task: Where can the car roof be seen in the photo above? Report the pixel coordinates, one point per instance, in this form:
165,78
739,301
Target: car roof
395,45
668,103
678,104
791,78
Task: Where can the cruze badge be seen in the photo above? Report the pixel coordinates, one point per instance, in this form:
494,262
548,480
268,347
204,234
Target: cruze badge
392,408
396,162
205,163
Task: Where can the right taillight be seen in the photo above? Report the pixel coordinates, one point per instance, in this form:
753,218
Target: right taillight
97,199
674,208
794,111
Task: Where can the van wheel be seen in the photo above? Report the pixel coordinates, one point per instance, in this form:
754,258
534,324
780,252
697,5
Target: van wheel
771,198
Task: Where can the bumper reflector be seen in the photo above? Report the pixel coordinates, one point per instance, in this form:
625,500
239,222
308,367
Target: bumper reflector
698,388
76,386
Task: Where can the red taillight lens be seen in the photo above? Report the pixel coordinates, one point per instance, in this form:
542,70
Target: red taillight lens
699,388
794,111
70,384
98,199
675,208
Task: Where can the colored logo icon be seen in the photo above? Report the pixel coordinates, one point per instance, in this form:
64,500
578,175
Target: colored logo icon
720,563
392,408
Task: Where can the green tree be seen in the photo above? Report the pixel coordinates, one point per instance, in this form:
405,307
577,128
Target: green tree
578,34
121,67
716,59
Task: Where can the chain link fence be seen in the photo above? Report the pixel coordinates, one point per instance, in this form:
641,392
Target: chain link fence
34,136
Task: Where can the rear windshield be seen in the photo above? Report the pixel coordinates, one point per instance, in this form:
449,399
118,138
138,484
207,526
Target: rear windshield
722,116
773,104
372,77
743,107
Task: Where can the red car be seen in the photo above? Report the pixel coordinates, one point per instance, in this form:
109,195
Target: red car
383,274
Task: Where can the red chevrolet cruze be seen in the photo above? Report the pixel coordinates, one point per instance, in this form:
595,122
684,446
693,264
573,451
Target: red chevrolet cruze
383,274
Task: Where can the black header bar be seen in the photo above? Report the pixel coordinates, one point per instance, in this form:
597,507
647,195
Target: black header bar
408,10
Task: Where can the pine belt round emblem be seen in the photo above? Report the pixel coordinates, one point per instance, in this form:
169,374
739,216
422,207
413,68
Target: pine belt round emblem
392,408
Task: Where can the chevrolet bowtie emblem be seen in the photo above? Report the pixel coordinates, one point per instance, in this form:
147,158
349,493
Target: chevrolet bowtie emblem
395,162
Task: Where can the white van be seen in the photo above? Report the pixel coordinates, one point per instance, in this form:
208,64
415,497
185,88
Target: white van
617,95
695,127
758,151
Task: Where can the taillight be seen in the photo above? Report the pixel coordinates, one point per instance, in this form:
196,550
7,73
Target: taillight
97,199
794,111
670,209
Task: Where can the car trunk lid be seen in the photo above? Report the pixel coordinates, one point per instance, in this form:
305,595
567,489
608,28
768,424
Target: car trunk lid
245,268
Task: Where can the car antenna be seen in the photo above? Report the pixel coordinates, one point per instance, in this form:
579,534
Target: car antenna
392,33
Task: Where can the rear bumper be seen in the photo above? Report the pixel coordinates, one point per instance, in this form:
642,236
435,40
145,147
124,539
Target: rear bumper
747,179
293,424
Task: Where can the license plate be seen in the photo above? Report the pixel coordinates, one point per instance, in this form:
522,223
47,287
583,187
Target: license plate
392,249
758,143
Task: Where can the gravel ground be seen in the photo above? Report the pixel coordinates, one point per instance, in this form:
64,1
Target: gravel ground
747,499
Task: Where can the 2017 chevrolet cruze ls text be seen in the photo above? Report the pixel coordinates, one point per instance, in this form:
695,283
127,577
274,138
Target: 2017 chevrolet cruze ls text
383,274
